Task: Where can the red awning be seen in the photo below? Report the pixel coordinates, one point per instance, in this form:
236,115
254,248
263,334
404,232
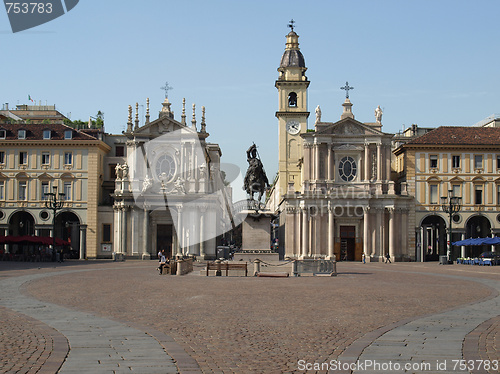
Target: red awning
10,239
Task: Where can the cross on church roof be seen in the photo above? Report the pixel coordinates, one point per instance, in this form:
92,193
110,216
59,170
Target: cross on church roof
291,24
347,88
167,88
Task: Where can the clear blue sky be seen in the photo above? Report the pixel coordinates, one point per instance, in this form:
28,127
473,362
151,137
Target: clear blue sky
427,62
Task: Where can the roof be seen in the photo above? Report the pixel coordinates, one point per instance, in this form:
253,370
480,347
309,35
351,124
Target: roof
35,131
454,135
292,58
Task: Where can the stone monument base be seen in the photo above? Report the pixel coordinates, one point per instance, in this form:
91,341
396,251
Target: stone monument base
256,232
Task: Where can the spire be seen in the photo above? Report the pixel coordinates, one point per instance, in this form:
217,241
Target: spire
147,110
165,110
347,109
203,124
129,122
193,121
183,116
136,116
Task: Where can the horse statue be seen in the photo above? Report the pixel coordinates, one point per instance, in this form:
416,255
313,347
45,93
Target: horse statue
255,179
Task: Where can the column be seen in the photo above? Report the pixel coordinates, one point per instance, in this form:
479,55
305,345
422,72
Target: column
316,161
378,234
305,233
134,231
331,232
317,234
145,234
202,236
296,247
367,163
379,162
462,248
366,232
124,230
179,230
387,163
83,242
330,163
392,231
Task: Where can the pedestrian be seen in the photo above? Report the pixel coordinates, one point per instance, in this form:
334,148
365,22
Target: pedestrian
164,261
364,258
387,258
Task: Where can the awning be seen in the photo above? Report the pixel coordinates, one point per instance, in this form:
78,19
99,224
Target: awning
45,240
478,241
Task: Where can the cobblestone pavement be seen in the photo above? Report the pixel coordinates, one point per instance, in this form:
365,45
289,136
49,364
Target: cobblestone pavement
27,345
261,325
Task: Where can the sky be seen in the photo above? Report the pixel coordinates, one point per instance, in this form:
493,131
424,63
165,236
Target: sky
432,63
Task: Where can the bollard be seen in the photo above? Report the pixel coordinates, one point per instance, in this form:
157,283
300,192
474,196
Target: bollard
218,272
294,269
256,267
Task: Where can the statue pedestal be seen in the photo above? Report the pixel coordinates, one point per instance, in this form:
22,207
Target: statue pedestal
256,232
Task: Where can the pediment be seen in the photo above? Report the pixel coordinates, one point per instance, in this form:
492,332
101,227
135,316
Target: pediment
478,179
348,147
456,180
350,127
433,179
161,126
45,176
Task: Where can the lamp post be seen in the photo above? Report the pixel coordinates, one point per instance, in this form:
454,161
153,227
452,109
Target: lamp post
450,205
54,203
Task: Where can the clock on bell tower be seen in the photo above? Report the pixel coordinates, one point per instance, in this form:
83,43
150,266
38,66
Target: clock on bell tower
292,114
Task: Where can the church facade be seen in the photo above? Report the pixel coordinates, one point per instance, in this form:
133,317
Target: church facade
168,191
334,195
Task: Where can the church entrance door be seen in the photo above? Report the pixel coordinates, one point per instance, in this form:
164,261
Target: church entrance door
164,239
347,243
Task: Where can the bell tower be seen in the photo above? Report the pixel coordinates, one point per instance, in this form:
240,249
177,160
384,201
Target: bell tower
292,114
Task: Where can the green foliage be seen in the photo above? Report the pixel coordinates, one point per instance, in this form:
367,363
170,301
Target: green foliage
77,124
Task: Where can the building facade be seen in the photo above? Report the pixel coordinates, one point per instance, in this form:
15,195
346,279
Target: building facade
465,161
168,190
334,194
38,154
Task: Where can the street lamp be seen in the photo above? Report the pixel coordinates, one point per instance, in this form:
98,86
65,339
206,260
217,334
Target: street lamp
54,203
450,205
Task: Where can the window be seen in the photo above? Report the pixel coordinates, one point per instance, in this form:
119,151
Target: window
457,191
434,161
347,169
478,195
68,158
21,134
433,188
68,134
23,158
120,151
498,162
45,158
3,134
106,233
67,191
2,190
2,157
498,194
112,172
478,161
44,190
292,99
455,162
22,191
46,134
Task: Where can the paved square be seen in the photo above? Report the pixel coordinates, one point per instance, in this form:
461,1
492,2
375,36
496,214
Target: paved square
123,317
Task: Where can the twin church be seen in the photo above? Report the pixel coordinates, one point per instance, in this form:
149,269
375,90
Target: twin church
334,195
